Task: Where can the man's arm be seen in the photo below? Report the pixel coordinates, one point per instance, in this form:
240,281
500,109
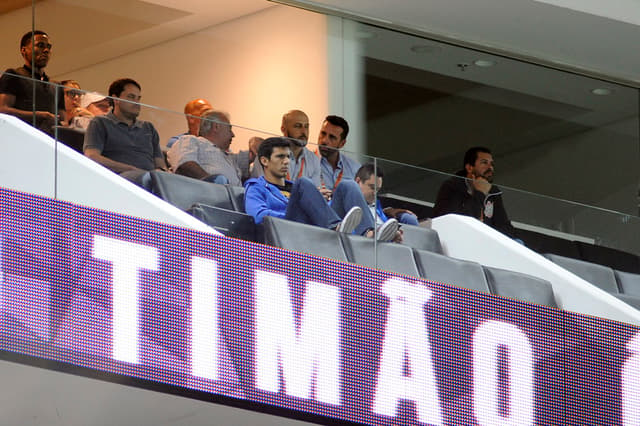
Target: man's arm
7,101
192,169
453,198
256,203
116,166
160,163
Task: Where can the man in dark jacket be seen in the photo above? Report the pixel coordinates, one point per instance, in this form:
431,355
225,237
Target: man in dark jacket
473,194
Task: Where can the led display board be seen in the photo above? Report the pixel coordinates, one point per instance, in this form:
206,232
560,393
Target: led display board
250,323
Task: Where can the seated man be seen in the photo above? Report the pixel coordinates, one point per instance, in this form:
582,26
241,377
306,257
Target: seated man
369,179
304,163
192,110
121,142
335,166
300,201
206,157
475,196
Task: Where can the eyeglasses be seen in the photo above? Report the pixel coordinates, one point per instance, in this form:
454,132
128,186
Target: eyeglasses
72,93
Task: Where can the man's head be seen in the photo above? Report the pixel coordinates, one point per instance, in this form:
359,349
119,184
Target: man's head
295,125
216,126
95,103
35,47
369,179
273,155
72,94
478,162
192,111
125,95
333,135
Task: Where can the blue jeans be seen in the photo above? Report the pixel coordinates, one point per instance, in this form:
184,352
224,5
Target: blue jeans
408,219
348,195
307,205
219,179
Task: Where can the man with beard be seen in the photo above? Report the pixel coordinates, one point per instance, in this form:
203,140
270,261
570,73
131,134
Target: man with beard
304,163
473,194
335,166
17,95
121,142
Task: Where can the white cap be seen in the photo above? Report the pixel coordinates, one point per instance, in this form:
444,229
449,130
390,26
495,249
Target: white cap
91,98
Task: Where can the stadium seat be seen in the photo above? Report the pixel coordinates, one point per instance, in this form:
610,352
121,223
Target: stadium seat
183,192
73,138
628,283
421,238
598,275
237,197
390,257
228,222
523,287
447,270
303,238
616,259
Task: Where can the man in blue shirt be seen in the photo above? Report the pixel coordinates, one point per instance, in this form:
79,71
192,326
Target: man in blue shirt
300,201
335,166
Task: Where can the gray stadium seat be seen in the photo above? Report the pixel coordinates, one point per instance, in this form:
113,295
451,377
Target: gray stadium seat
523,287
543,243
421,238
183,192
303,238
628,283
630,300
447,270
228,222
237,197
613,258
390,257
598,275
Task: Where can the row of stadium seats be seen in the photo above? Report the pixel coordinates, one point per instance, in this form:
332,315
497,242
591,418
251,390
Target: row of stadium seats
406,260
623,285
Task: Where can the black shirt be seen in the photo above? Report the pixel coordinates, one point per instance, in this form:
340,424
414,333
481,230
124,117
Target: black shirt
18,82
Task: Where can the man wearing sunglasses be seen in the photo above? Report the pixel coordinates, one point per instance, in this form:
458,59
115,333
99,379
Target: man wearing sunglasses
17,95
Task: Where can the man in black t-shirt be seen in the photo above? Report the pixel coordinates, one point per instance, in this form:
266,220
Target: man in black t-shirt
17,95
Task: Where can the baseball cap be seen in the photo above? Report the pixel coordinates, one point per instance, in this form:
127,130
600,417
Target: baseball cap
91,98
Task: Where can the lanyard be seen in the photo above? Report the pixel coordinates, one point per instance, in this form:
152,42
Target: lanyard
300,172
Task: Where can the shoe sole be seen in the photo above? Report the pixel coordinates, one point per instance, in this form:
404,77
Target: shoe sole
387,231
351,220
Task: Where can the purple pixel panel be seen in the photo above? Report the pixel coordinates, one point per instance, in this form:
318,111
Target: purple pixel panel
260,324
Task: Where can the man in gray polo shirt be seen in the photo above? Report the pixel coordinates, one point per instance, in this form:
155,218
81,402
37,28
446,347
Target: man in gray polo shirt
121,142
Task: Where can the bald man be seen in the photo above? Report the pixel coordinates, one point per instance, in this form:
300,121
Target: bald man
192,111
304,163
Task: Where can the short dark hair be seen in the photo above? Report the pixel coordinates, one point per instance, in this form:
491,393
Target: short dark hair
117,87
26,39
366,170
266,147
471,155
340,122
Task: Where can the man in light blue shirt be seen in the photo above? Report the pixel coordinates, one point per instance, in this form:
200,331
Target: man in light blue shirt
335,165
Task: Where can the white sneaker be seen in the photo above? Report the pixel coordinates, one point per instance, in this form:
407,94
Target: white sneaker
387,231
350,220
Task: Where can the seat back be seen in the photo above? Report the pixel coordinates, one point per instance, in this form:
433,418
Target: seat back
228,222
523,287
303,238
598,275
628,283
237,197
421,238
616,259
447,270
389,257
73,138
183,192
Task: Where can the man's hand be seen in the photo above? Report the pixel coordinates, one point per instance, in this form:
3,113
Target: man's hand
394,213
254,144
326,193
481,184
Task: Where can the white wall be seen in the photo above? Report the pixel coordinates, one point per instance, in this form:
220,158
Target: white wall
255,67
